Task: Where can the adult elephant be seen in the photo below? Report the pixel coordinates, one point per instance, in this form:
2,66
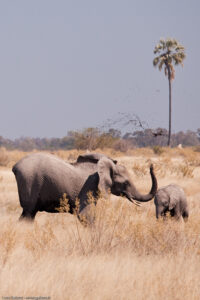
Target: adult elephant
42,179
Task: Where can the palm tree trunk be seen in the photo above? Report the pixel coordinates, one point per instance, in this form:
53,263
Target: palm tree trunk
170,107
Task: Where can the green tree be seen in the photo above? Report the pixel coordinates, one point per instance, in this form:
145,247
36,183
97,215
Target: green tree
169,53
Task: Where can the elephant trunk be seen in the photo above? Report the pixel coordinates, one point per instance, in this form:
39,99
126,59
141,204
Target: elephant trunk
144,198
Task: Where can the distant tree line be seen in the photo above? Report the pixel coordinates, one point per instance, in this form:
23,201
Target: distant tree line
93,138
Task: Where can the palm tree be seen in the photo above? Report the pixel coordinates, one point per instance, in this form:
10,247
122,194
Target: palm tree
169,52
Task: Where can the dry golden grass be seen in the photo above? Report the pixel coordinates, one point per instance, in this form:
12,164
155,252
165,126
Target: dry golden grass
125,254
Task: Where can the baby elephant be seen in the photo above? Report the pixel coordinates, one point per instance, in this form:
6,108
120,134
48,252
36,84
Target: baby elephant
171,198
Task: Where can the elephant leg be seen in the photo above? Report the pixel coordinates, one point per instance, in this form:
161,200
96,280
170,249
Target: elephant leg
29,205
87,215
163,213
185,215
159,211
27,215
172,213
177,213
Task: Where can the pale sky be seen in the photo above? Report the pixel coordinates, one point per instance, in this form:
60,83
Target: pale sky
72,64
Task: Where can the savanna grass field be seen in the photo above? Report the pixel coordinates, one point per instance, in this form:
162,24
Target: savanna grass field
125,254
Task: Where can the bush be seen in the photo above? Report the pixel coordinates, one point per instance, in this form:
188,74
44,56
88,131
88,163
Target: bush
158,150
4,159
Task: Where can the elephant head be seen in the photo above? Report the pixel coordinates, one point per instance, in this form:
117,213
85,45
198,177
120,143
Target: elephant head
116,178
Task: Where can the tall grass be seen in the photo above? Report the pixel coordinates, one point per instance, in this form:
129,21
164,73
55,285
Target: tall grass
124,254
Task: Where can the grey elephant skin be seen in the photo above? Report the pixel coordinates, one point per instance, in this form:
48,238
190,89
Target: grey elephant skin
171,198
42,179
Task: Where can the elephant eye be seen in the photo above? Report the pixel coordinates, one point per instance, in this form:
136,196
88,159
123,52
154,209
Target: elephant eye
126,183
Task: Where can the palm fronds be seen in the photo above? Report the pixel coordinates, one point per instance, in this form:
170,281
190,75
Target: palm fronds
170,52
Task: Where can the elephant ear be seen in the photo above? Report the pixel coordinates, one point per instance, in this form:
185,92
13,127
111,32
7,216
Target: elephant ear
91,157
105,170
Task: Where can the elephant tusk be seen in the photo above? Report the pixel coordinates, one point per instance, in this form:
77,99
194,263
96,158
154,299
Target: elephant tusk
136,203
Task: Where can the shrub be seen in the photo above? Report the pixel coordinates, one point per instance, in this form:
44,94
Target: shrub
158,150
4,159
